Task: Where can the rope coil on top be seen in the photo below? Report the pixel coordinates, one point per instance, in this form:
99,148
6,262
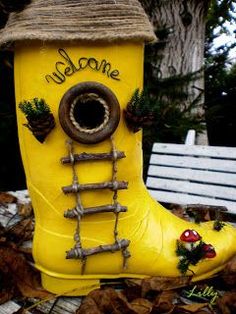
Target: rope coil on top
83,20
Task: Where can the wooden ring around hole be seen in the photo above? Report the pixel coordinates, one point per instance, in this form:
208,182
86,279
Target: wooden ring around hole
106,98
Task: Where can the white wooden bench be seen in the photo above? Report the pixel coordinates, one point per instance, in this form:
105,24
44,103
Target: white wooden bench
193,174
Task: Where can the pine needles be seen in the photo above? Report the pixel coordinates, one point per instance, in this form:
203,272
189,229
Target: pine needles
40,119
34,109
139,111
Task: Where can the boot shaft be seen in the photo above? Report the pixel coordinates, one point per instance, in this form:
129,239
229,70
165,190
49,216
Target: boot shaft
48,72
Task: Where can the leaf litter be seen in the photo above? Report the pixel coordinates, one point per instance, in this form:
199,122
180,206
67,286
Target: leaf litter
19,280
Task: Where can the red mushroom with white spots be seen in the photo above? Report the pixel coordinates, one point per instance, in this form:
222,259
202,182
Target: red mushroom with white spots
208,250
190,238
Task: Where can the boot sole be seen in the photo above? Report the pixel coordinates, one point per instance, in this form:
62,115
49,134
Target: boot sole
83,284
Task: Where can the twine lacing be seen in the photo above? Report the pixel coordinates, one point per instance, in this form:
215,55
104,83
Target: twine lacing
87,130
81,20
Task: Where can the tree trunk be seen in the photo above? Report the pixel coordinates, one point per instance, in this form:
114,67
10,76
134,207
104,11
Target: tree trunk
183,49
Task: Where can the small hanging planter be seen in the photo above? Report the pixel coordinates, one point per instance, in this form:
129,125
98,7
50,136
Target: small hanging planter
191,249
137,113
40,119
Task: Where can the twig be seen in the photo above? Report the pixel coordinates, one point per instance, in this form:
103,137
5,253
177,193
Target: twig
91,157
81,253
73,213
112,185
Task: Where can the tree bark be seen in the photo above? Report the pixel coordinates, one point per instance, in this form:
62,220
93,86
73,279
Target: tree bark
183,51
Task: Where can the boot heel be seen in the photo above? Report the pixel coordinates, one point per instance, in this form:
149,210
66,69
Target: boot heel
71,287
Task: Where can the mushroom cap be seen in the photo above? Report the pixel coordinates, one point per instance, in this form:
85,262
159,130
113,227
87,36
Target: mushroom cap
190,236
209,251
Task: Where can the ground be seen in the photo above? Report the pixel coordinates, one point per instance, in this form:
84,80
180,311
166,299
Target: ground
21,291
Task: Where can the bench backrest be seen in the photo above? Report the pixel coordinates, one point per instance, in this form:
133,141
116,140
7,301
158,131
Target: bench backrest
193,174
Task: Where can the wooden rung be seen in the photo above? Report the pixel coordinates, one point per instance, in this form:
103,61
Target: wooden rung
96,156
112,185
73,213
83,253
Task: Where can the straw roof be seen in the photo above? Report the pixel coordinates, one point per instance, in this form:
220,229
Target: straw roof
83,20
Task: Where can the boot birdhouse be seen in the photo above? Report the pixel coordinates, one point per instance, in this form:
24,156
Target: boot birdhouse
77,65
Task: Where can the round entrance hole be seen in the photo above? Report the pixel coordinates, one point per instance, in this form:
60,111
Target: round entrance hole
89,112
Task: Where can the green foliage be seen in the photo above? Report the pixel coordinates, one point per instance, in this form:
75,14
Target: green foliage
189,257
138,105
168,100
220,80
217,62
35,109
219,12
138,113
218,225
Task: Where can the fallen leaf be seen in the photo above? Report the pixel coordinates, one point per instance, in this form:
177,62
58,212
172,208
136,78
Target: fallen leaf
178,211
27,251
132,282
192,308
88,306
25,210
230,266
229,280
201,214
6,198
132,292
227,304
141,306
229,273
105,301
7,288
6,295
164,303
21,231
14,266
160,283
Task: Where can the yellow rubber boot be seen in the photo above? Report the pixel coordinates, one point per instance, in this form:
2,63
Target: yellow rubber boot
143,238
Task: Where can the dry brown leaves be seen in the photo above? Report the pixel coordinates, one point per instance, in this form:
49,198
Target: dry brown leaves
201,213
6,198
25,210
20,232
17,276
227,304
229,274
15,269
161,297
108,300
159,283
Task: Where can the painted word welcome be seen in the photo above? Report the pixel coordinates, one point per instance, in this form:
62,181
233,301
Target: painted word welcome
68,67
